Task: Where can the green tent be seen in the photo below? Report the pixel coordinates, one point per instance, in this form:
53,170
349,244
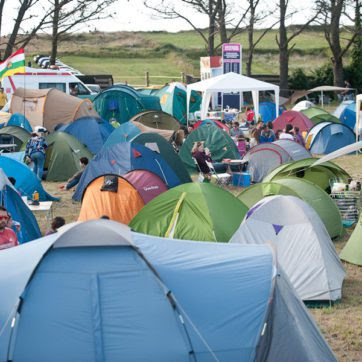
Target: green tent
157,119
352,251
303,189
173,100
62,156
318,115
14,135
322,175
215,139
158,144
191,211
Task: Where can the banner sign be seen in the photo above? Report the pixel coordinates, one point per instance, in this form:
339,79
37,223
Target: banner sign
231,58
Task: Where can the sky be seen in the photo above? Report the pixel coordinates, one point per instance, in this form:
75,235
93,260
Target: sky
132,15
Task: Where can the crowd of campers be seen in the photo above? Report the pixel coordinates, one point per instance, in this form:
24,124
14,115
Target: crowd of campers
225,276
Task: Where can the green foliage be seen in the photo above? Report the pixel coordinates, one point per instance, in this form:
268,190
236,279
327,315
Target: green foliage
322,76
299,80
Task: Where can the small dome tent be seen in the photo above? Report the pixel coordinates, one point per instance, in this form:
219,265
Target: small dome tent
326,137
296,119
14,135
91,131
26,180
265,157
18,119
19,212
352,251
304,249
215,139
157,120
99,273
62,156
191,211
302,105
318,115
312,194
348,114
322,175
49,107
267,111
122,158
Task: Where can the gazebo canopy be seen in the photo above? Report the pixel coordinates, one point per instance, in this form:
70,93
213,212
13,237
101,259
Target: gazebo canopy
231,82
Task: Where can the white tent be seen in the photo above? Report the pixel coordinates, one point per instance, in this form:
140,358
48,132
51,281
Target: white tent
304,249
227,83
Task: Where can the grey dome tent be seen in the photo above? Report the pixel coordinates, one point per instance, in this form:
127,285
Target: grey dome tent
97,291
307,191
304,249
265,157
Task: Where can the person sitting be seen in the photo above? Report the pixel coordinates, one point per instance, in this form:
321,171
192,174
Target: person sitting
235,131
8,238
74,180
266,135
287,133
298,137
203,155
241,145
278,133
57,222
271,126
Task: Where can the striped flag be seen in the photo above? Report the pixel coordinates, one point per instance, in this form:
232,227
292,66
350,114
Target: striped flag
14,64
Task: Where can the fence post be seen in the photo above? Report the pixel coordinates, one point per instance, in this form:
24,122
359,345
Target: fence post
183,77
147,79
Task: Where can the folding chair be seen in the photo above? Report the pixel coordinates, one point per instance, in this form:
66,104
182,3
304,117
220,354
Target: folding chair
201,176
218,178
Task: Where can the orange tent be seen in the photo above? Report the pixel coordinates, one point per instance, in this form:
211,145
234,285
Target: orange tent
120,205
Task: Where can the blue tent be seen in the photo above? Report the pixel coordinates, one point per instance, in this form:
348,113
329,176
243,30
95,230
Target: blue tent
18,119
348,115
326,137
122,158
267,111
90,131
100,292
12,201
26,180
124,133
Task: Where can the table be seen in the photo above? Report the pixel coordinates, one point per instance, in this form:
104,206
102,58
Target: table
44,206
230,163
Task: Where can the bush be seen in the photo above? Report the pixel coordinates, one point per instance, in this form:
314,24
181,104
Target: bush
322,76
299,80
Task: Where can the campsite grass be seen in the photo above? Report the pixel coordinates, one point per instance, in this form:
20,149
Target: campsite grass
340,323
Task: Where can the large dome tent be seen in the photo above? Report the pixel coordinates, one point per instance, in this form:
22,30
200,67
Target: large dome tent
318,115
304,249
99,273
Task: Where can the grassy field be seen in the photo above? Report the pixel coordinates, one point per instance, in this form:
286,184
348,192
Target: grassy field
129,55
340,323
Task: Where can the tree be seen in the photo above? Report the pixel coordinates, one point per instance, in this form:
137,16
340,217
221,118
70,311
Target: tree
256,16
332,13
68,14
215,10
284,40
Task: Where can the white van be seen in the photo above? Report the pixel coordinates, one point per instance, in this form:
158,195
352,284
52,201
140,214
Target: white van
46,78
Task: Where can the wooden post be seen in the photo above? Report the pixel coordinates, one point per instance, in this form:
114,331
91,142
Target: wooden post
147,79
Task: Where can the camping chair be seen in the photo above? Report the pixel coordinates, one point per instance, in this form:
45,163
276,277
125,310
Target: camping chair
201,176
218,178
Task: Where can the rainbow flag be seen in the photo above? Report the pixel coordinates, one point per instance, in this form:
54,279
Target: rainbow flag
14,64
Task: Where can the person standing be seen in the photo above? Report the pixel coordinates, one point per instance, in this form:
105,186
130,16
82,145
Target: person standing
35,150
3,98
8,238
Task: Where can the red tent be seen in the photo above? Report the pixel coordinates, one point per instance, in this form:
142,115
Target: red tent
297,119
